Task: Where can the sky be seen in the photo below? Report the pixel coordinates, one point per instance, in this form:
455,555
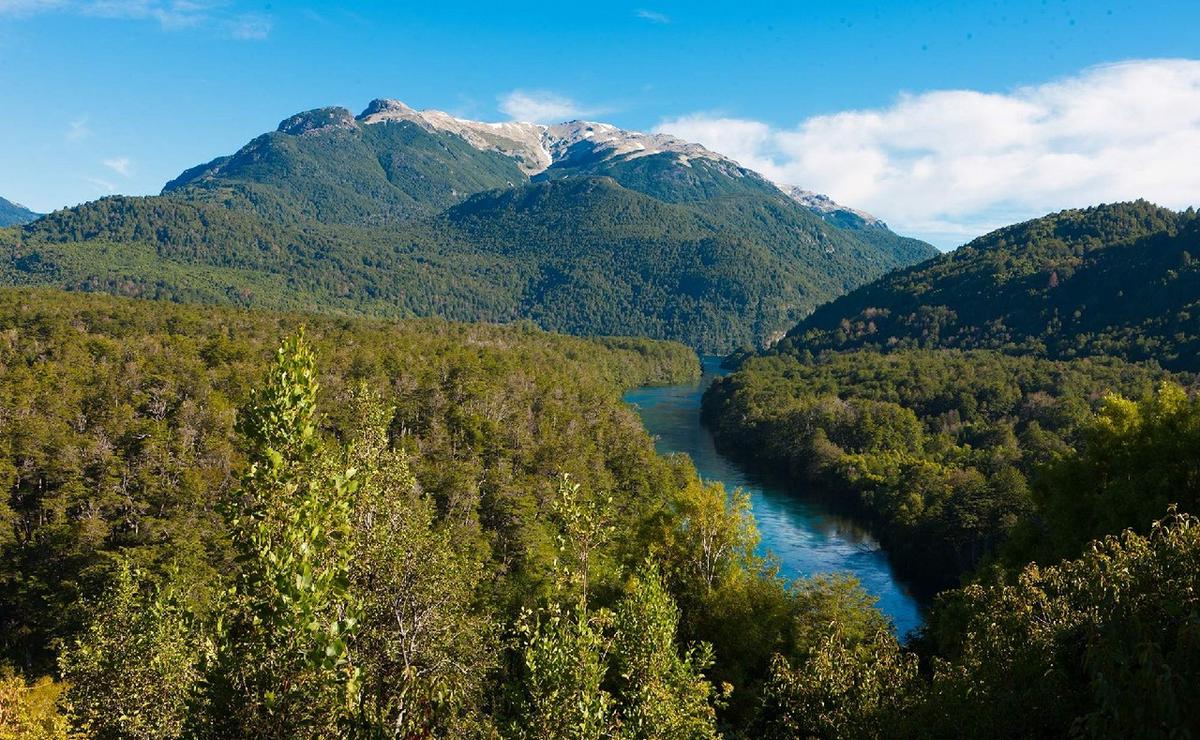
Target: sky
946,119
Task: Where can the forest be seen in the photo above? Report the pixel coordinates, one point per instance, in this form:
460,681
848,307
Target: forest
223,523
939,448
1117,279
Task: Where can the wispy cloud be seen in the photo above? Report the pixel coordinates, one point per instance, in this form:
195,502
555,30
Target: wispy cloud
78,130
28,7
542,106
653,16
119,165
172,15
103,187
951,164
251,26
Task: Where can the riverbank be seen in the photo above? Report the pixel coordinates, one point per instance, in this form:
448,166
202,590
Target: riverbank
806,534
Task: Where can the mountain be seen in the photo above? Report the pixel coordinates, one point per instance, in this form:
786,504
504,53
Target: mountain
1116,279
14,214
581,226
826,208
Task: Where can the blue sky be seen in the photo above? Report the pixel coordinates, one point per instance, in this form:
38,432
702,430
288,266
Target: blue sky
100,96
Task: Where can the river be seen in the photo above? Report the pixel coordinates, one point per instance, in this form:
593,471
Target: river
806,535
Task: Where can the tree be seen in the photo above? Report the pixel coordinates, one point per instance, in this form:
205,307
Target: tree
280,665
605,673
662,694
844,688
423,649
132,671
29,711
564,648
1105,645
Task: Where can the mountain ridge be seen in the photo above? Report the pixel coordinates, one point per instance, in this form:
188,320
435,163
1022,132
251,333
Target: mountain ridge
547,150
15,214
1114,279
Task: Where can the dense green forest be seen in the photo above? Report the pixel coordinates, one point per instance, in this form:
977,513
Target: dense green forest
224,523
940,448
1020,422
392,220
1117,280
153,493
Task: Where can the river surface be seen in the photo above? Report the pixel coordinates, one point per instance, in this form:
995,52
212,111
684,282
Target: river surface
805,534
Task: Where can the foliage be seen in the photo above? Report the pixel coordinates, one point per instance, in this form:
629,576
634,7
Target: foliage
843,688
1135,459
564,655
1115,280
936,446
664,694
424,648
116,436
281,663
131,673
1107,645
29,711
608,673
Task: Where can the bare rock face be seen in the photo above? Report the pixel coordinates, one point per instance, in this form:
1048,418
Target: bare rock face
318,120
536,146
830,210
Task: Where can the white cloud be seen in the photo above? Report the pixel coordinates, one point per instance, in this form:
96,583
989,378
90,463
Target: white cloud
541,106
28,7
119,165
78,130
104,187
653,16
171,15
948,165
251,27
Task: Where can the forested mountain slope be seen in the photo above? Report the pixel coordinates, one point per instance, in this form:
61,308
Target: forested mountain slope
1115,279
401,213
13,214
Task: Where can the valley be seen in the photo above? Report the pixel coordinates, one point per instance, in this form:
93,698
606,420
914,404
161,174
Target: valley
802,529
403,424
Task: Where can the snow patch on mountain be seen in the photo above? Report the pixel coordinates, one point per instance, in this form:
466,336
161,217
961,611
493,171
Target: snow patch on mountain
535,146
824,205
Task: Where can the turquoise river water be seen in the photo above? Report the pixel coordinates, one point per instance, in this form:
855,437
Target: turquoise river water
805,534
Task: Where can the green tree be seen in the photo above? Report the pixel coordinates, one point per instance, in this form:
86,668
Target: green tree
132,671
280,665
1105,645
423,648
845,687
565,648
1136,459
29,711
662,694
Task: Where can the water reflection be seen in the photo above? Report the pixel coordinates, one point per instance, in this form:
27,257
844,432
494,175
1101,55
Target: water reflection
804,533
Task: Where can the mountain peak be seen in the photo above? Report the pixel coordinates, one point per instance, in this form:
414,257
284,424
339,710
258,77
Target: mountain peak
333,117
521,141
380,108
830,210
14,214
537,146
